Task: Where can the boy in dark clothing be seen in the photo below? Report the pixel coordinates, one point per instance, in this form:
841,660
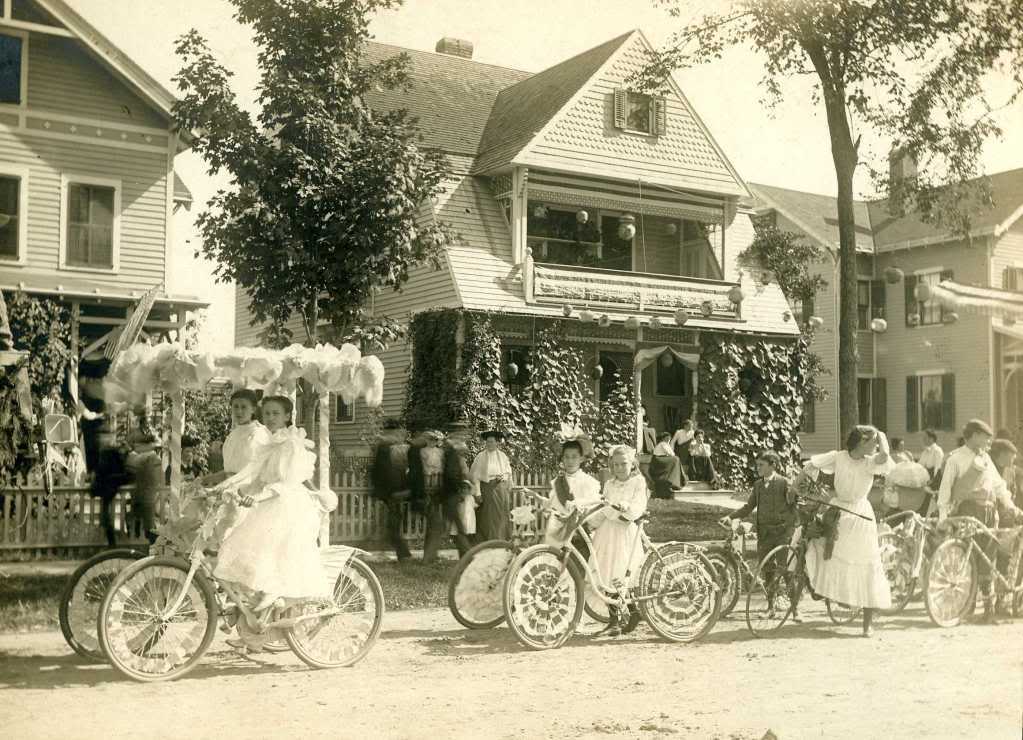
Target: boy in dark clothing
110,474
147,469
775,505
388,476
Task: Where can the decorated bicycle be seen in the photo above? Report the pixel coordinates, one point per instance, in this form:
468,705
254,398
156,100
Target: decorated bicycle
675,590
733,567
171,368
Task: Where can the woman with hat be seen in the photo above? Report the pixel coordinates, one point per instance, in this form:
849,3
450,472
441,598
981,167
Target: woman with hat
491,477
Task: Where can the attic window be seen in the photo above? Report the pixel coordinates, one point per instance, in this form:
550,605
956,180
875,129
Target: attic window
639,113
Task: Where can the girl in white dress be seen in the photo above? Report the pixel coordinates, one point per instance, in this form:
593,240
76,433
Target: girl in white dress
273,550
853,574
618,550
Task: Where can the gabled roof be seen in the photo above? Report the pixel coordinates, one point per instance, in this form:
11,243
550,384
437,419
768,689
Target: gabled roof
451,96
879,230
523,109
817,215
112,57
1006,190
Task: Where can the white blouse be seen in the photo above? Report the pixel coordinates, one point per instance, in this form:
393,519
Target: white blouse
853,478
489,465
242,443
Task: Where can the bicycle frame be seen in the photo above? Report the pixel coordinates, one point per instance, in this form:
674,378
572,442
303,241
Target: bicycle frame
1001,584
921,531
569,550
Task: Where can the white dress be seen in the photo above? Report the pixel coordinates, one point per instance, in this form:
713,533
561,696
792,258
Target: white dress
240,449
585,491
854,574
274,548
617,549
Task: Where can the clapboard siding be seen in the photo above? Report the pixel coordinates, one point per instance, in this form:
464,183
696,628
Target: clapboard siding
143,218
583,138
63,78
1008,252
961,348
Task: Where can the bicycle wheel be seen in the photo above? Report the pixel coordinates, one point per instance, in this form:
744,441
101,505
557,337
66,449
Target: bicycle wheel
729,576
83,594
897,560
951,588
136,634
543,597
475,590
344,638
840,613
678,592
769,599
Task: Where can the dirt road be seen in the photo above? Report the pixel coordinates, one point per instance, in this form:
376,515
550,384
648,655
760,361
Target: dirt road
428,678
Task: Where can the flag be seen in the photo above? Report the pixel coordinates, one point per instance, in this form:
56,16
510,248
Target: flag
133,327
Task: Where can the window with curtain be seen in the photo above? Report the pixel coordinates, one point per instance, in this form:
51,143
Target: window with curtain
930,402
928,312
90,225
10,216
344,413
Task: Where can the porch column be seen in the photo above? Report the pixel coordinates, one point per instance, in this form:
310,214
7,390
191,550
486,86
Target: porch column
324,455
637,384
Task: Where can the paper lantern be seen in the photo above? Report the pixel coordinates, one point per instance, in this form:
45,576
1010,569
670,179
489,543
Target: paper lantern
671,229
707,308
656,323
913,319
767,277
922,291
567,310
815,322
540,211
627,227
512,370
879,326
582,216
950,318
786,316
587,316
736,294
598,372
604,321
681,317
893,275
667,359
632,323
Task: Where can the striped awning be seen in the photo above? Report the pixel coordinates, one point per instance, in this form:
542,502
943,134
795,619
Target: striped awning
975,299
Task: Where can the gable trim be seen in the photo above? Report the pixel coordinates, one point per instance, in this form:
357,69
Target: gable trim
112,56
1007,223
527,150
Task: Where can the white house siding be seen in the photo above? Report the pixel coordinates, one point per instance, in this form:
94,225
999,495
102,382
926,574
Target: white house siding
961,348
582,138
143,178
63,78
825,435
1007,252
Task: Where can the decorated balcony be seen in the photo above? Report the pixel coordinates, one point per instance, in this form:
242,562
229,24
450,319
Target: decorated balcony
632,292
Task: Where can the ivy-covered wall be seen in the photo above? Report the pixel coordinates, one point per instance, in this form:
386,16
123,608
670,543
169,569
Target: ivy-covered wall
751,399
430,399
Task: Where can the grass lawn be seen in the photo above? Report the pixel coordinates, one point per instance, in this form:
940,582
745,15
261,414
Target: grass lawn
30,602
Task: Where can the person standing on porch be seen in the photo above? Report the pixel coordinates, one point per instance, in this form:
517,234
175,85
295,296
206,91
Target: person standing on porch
388,475
852,573
681,442
491,476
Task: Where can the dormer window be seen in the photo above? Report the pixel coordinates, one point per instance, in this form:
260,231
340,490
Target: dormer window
639,113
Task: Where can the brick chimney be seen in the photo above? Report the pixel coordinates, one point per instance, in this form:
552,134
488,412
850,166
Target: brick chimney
902,171
454,47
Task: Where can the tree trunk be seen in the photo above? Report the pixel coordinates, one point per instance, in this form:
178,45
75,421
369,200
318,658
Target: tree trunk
843,151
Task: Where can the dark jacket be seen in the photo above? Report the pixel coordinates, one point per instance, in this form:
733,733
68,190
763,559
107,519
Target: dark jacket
110,473
456,469
416,477
385,477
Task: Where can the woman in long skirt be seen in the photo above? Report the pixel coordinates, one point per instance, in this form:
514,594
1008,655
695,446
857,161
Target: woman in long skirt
852,573
491,475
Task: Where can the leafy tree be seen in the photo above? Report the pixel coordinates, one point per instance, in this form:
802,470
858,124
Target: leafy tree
911,71
789,257
326,198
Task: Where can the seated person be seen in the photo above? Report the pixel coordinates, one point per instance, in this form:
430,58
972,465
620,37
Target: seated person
703,468
665,471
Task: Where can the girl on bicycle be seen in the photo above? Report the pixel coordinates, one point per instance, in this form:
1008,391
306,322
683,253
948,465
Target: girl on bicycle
273,550
572,491
852,573
618,550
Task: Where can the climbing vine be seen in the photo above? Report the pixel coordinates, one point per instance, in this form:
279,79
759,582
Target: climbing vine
751,398
19,435
43,328
430,402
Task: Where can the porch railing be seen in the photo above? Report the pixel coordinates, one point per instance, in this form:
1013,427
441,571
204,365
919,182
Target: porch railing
625,291
66,522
